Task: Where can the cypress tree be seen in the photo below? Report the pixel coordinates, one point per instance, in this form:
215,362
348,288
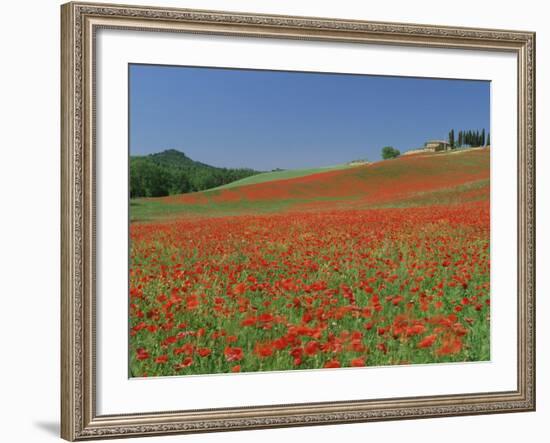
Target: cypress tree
452,138
470,137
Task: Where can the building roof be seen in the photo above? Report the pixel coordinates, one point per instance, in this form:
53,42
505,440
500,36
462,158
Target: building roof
438,141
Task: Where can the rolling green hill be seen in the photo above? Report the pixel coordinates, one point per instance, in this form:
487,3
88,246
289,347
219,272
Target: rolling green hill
172,172
415,180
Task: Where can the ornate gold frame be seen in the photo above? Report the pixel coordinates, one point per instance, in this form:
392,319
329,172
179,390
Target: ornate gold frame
79,22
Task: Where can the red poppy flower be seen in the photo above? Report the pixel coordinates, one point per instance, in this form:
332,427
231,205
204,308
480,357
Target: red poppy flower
427,341
233,354
239,289
280,343
204,352
169,340
311,348
249,321
263,350
450,346
186,362
187,349
266,317
192,302
142,354
334,363
161,359
231,338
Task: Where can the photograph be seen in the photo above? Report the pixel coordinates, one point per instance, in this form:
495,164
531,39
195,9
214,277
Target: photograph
288,220
278,218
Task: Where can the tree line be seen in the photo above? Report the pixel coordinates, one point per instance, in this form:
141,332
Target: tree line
469,138
172,172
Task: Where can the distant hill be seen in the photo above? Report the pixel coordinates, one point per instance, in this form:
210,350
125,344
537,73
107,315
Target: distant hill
172,172
173,157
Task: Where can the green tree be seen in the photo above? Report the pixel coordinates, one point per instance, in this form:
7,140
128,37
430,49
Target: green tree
137,185
390,152
452,138
172,172
180,183
148,179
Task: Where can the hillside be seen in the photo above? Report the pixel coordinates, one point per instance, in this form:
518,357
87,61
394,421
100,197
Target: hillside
416,180
281,175
173,172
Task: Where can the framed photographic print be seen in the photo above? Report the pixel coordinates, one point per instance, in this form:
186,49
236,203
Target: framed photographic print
282,221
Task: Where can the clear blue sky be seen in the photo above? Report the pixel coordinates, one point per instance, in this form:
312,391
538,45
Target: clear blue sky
276,119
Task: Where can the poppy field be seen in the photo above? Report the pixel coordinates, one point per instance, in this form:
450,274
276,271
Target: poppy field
380,264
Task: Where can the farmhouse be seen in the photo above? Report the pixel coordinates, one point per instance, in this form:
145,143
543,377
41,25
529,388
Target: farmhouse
437,145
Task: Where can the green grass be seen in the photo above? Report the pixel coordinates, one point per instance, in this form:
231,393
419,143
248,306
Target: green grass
280,175
145,210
